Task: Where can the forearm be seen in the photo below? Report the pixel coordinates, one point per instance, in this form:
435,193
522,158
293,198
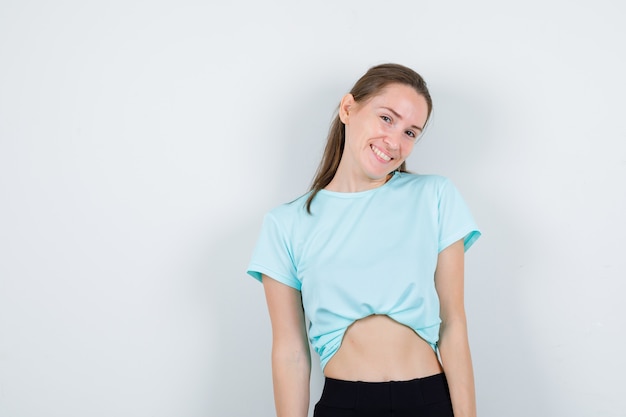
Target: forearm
291,370
457,364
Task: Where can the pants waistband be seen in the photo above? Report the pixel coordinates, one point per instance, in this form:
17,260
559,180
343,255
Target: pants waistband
397,394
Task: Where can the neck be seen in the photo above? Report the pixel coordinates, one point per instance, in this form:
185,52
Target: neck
352,184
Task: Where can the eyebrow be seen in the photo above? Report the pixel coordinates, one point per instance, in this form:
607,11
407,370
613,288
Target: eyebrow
395,113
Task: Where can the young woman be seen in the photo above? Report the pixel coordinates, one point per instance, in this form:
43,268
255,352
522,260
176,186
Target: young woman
373,256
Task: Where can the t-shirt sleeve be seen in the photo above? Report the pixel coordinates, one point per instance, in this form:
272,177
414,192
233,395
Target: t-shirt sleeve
455,219
273,255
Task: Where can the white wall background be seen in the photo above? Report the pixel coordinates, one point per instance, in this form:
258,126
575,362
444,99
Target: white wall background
142,142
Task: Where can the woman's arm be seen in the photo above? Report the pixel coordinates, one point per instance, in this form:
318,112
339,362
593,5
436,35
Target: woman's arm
453,340
291,358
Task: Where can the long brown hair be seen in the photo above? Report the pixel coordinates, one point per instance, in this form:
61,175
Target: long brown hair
370,84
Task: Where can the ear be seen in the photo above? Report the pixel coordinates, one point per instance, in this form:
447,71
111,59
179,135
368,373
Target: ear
345,107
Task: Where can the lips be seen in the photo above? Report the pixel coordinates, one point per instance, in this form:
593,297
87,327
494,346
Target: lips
381,154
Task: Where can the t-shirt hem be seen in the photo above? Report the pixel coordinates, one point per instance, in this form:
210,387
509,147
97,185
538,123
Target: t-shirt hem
256,272
469,235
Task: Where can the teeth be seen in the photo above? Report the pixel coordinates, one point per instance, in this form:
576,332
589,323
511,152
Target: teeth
380,154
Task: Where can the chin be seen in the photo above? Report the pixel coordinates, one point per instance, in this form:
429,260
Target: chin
382,172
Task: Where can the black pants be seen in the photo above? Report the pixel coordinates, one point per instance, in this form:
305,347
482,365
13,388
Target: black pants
422,397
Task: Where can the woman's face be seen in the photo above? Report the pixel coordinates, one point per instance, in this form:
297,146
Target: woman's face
381,132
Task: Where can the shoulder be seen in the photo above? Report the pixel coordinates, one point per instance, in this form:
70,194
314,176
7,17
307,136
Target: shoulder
410,182
288,212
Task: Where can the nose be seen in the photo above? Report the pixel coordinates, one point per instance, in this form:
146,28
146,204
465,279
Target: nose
392,141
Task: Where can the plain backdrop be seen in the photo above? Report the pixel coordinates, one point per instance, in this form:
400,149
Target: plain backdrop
141,142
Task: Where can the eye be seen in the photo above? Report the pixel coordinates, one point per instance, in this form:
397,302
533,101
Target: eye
385,119
411,134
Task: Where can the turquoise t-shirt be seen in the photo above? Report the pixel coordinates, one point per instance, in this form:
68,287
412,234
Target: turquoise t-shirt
364,253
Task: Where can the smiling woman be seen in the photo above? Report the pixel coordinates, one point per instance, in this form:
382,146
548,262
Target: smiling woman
373,255
380,134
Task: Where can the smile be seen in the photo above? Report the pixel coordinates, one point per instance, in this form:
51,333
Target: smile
380,154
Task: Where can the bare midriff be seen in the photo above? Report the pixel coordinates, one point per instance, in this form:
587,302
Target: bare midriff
378,349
